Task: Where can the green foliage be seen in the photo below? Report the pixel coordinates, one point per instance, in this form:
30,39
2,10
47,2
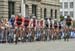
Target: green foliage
61,18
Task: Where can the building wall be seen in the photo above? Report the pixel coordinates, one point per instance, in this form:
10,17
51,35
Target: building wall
4,7
17,6
48,4
69,10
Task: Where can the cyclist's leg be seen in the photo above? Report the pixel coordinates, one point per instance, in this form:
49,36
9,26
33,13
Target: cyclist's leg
17,34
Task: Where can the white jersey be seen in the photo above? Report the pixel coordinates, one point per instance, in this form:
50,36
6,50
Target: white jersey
62,23
49,22
52,22
31,24
42,23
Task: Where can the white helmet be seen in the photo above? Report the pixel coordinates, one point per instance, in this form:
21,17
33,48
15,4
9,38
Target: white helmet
19,14
12,16
34,17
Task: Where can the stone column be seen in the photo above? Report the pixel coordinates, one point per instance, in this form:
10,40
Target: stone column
30,9
53,13
38,12
43,12
4,8
58,13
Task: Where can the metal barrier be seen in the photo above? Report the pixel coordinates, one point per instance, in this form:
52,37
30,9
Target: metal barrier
42,34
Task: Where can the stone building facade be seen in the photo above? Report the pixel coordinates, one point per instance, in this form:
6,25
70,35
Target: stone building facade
39,8
9,7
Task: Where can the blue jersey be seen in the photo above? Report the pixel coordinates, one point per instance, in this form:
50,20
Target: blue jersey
12,20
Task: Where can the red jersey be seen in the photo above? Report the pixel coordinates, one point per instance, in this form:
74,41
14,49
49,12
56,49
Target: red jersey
19,21
26,22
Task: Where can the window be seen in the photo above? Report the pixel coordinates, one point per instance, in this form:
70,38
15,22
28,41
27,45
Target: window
71,4
61,5
65,4
65,13
55,13
71,13
51,13
40,12
24,1
61,13
45,14
34,7
20,9
11,8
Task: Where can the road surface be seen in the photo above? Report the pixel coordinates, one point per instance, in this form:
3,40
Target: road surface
58,45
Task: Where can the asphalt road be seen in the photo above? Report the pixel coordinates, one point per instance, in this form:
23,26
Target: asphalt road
58,45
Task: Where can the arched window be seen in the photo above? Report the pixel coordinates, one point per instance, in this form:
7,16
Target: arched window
51,13
20,9
40,12
34,9
55,14
45,12
11,8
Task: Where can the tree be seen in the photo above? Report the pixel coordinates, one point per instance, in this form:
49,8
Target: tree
61,18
